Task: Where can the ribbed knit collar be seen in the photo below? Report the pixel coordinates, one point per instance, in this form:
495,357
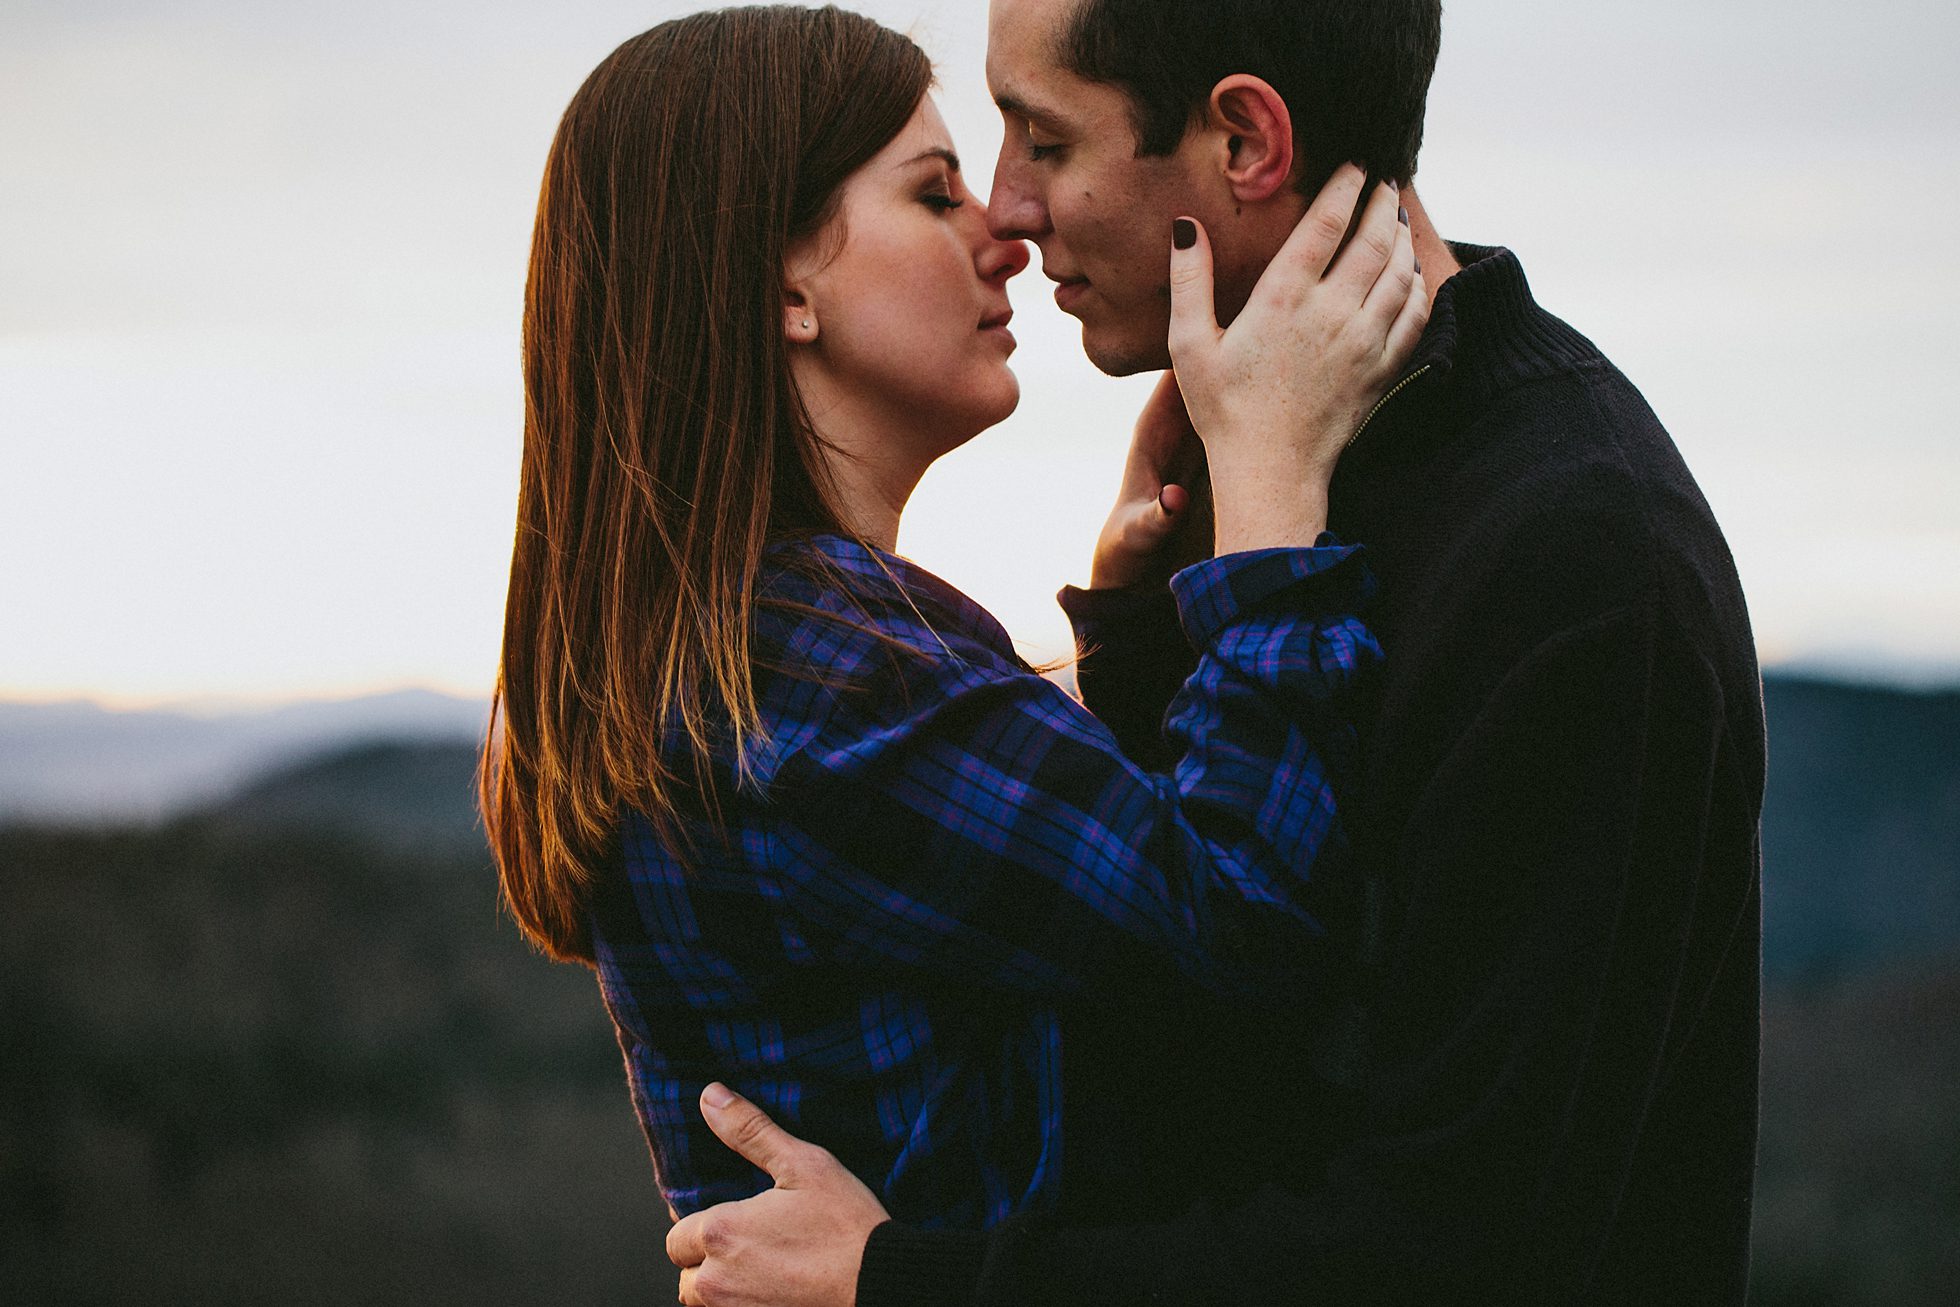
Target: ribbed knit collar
1486,332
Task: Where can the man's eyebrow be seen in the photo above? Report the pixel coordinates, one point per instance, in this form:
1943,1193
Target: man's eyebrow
939,152
1022,109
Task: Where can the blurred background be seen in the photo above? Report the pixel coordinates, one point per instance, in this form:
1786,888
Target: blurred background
263,1033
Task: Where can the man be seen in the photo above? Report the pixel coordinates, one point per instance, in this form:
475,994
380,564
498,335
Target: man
1551,1054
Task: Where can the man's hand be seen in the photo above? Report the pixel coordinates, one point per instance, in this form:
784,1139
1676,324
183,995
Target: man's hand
1162,517
798,1245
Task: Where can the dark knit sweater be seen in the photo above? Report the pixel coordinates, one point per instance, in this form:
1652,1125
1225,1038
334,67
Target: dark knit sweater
1553,1049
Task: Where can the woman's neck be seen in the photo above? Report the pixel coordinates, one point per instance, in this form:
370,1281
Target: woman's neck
875,457
871,498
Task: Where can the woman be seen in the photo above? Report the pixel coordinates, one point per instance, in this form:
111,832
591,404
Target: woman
819,830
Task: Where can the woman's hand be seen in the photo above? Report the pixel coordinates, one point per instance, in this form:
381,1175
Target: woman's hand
1162,517
1277,396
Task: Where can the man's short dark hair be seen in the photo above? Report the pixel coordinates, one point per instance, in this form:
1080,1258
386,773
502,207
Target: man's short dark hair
1354,73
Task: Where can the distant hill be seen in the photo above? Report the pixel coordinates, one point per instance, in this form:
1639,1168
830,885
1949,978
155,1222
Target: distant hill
399,795
1858,1169
247,1060
1861,831
1861,828
80,763
282,1046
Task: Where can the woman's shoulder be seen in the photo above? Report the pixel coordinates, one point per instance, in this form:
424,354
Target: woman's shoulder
856,598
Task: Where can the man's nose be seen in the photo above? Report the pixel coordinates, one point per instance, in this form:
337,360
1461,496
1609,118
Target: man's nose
1016,210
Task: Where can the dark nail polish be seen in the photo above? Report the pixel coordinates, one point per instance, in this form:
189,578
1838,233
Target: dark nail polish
1184,233
1402,216
1418,265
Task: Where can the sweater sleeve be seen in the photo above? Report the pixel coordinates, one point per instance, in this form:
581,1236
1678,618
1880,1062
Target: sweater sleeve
1567,913
1132,661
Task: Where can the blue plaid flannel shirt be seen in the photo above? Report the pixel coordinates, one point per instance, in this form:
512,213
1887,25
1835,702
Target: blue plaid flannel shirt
941,847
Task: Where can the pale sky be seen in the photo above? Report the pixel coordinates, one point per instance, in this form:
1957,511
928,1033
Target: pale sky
261,270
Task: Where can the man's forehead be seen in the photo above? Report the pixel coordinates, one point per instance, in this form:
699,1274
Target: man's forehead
1022,35
1024,69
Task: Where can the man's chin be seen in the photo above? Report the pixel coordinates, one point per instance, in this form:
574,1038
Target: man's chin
1117,357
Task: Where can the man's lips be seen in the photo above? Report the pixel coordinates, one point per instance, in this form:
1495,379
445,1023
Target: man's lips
1070,292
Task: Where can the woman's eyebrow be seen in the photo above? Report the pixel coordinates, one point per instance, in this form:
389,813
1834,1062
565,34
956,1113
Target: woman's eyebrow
937,152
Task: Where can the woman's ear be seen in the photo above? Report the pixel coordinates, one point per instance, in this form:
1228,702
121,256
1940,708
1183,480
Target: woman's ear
799,319
1258,132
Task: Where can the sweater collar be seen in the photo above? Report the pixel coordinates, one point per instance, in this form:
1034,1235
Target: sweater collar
1487,333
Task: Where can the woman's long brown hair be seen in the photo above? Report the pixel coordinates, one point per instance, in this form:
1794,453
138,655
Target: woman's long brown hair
664,443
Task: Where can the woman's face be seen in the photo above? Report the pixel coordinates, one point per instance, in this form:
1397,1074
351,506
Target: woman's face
907,315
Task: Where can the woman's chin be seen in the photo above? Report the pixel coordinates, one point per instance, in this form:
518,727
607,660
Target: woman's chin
1010,400
994,409
949,422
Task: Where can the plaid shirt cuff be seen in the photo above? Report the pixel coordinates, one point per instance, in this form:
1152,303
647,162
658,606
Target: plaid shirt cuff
1220,591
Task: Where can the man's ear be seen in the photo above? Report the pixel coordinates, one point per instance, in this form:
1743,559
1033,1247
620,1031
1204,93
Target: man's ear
1258,133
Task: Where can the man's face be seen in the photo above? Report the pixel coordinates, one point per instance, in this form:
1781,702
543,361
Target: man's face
1070,181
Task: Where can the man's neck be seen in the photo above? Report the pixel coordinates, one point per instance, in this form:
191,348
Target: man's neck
1432,251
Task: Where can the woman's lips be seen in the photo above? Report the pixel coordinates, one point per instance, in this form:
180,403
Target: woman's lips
996,325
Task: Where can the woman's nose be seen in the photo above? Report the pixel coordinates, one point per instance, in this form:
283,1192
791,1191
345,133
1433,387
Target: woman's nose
1000,260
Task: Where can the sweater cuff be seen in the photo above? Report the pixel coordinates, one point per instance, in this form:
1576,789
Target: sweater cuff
1219,591
1092,612
908,1267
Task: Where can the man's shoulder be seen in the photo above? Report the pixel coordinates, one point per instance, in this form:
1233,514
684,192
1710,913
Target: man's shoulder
1563,499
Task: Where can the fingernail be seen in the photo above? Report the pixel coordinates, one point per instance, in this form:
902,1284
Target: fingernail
1418,266
717,1096
1184,233
1401,216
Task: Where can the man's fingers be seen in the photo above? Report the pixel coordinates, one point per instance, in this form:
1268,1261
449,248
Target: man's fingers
748,1130
1141,527
687,1240
1317,237
1194,317
697,1290
1163,426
